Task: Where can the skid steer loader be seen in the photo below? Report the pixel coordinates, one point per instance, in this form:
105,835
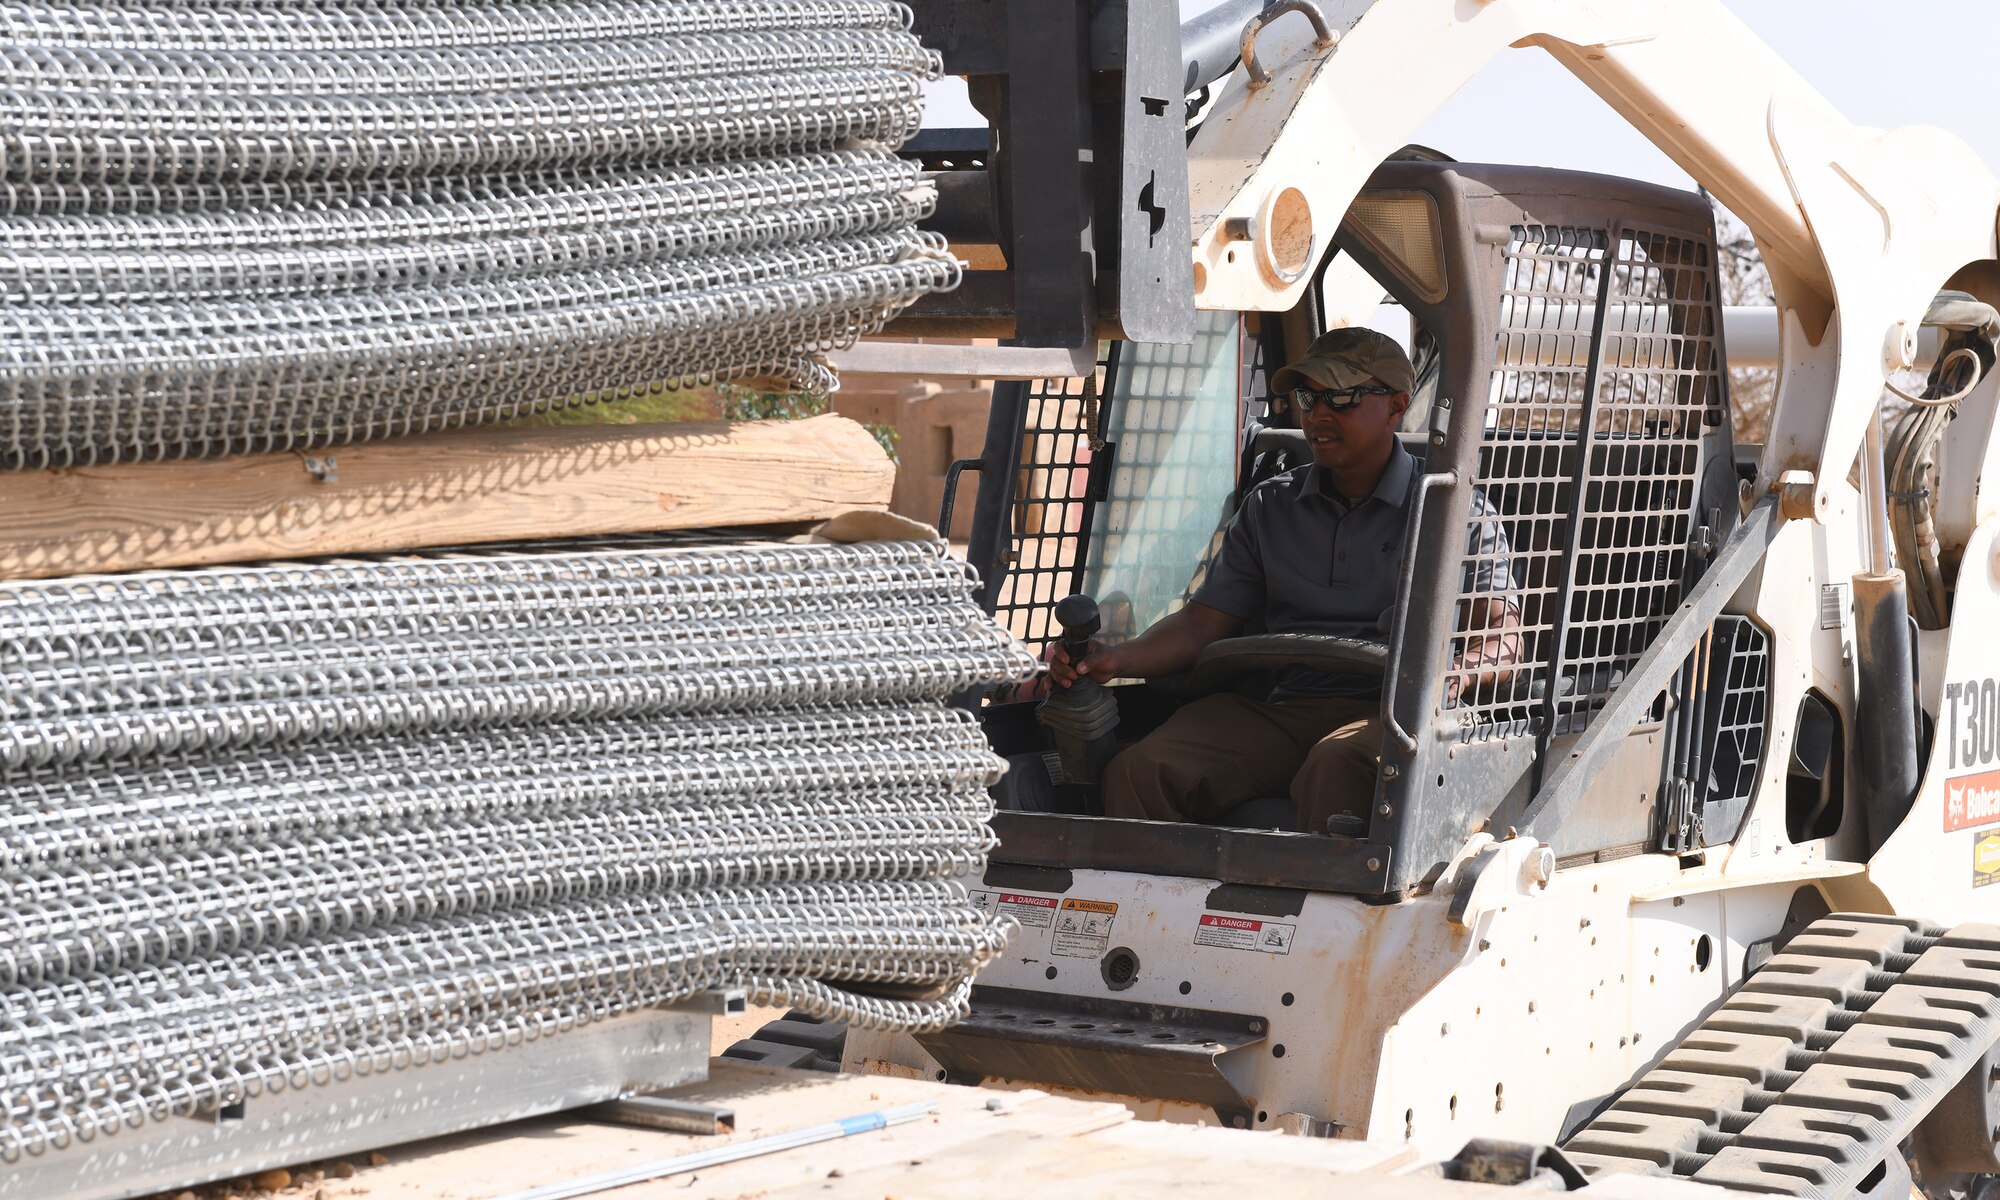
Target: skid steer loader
1594,904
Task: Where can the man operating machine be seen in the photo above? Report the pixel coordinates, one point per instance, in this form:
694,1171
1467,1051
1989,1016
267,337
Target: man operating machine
1311,551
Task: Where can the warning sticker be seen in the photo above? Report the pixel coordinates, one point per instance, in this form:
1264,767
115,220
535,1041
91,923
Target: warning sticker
1035,912
1972,800
1244,933
1083,928
1985,859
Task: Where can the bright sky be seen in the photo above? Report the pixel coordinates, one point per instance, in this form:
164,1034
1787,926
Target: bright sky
1878,63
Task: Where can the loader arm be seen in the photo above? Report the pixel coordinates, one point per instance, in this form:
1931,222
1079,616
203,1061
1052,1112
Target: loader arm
1858,227
1329,115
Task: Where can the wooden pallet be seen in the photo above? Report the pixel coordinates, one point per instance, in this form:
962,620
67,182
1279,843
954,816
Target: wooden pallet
475,486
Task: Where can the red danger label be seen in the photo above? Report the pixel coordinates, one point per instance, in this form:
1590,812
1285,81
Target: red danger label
1034,911
1243,933
1972,800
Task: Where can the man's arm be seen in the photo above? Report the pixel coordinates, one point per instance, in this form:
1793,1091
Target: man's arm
1168,648
1492,645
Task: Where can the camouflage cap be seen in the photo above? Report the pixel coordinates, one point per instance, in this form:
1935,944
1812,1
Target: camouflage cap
1342,358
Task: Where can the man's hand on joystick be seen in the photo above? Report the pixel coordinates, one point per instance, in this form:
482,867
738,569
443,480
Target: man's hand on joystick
1076,656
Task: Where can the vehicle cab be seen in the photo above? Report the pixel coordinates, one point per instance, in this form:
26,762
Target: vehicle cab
1567,334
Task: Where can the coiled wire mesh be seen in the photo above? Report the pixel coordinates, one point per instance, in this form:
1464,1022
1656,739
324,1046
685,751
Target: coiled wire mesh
235,227
266,827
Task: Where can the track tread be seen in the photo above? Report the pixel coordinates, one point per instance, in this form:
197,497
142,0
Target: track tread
795,1040
773,1054
1821,1063
796,1029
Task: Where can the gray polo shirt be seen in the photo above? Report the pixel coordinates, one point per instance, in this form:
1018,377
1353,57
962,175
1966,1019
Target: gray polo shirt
1299,557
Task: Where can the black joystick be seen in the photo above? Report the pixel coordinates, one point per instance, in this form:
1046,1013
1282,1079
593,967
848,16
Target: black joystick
1079,620
1082,718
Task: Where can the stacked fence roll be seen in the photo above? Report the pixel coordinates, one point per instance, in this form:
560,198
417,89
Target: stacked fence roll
278,225
277,826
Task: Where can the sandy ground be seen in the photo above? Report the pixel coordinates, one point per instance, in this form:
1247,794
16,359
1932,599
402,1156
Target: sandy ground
727,1031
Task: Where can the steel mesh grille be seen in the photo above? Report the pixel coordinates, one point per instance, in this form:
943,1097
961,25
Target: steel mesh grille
1045,549
1527,454
266,827
1254,381
277,226
1656,397
1594,487
1742,710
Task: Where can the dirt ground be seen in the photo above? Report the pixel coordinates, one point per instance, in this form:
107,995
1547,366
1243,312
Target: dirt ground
727,1031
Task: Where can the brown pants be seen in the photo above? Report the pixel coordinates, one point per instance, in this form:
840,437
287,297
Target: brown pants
1221,750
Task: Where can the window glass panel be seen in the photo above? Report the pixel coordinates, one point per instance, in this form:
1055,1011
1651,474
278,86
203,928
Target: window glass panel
1174,417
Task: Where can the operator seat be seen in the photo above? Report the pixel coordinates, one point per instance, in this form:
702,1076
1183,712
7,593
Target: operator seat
1274,450
1271,451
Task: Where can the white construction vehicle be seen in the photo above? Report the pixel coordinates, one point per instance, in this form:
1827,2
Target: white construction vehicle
1590,913
1590,907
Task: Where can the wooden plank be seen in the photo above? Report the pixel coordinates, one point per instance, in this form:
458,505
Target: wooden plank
1004,1166
767,1101
980,1144
474,486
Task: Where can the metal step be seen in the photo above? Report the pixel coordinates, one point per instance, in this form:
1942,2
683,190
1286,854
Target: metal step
1817,1067
1099,1045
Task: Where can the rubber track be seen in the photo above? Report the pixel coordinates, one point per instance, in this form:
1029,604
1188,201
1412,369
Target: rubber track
1817,1066
798,1040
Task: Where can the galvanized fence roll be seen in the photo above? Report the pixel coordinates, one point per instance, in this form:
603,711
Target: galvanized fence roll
115,1051
279,826
254,227
58,818
344,25
132,667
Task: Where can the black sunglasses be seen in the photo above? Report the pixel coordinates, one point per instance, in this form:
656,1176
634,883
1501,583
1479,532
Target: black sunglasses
1338,399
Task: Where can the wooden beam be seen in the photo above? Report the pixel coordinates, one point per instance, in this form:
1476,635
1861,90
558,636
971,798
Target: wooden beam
490,485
